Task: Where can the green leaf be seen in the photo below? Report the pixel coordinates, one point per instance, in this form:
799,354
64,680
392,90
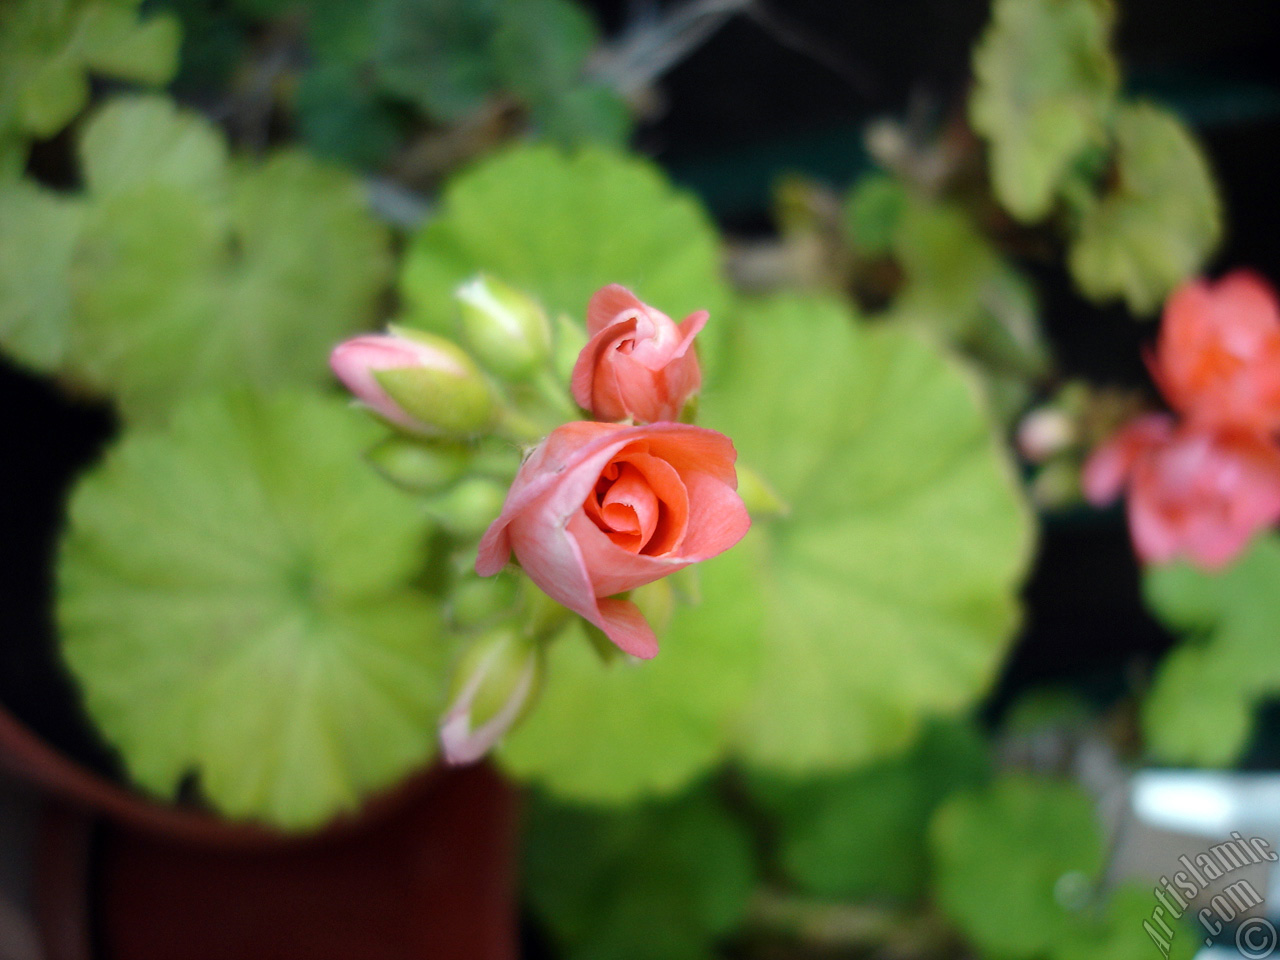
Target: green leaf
46,49
339,116
1118,933
873,212
1045,84
149,293
861,835
54,94
436,53
610,732
144,142
658,882
38,230
1158,224
1201,706
890,588
1030,846
191,274
583,114
957,284
233,598
312,265
114,43
561,226
540,46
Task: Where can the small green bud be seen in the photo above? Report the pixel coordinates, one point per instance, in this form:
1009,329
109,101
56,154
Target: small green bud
657,601
420,466
444,394
475,601
757,496
571,337
494,686
469,508
507,329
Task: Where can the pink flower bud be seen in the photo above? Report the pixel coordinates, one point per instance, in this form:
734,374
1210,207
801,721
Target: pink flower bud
419,382
496,684
638,365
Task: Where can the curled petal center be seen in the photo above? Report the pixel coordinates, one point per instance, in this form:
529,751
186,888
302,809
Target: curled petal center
640,504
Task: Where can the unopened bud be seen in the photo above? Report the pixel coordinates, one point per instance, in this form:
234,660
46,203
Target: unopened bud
469,508
494,686
417,381
758,497
1044,433
571,337
475,601
420,466
507,329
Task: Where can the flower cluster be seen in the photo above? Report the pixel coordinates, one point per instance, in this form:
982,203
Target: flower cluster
1204,479
597,508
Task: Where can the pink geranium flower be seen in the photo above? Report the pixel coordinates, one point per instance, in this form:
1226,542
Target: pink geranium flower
1217,359
1195,491
599,509
638,365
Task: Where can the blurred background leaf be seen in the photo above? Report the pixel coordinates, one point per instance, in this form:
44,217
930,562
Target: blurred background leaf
179,271
47,51
1032,846
656,882
1045,82
1202,703
861,835
1157,221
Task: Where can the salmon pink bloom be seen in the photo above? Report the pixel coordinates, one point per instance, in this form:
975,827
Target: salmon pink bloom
600,508
1194,491
638,364
1217,358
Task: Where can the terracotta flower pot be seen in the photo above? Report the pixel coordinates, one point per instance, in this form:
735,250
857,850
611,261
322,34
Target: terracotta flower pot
425,871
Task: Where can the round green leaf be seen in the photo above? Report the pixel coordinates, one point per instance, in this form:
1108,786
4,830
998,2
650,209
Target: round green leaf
1045,83
1159,223
1201,706
234,600
610,732
561,226
142,142
191,274
540,46
861,835
38,231
658,882
1010,858
435,53
1118,933
890,586
46,49
311,268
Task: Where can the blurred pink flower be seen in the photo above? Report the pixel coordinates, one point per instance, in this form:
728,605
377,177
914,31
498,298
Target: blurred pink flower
1217,358
599,509
638,365
1194,491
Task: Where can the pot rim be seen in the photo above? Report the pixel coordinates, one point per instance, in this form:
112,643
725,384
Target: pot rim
33,760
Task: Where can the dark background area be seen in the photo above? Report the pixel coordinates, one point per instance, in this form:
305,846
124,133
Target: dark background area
788,92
